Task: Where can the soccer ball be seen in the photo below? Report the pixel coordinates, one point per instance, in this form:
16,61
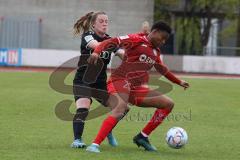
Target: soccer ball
176,137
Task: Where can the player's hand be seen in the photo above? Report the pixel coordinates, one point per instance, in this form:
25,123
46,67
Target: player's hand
93,58
184,84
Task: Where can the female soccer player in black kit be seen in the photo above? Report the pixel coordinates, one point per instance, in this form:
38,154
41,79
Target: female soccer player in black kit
93,27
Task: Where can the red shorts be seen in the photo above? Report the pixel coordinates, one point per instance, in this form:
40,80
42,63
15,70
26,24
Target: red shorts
136,93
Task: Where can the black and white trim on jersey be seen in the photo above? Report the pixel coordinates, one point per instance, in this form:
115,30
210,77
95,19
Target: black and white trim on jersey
88,39
90,36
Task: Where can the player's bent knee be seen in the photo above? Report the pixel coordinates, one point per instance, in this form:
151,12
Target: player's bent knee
166,103
83,103
127,109
170,104
120,110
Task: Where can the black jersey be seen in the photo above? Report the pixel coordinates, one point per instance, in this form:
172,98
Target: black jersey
85,50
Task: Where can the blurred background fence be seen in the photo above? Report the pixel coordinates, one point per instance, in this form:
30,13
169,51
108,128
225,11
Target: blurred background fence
20,33
203,31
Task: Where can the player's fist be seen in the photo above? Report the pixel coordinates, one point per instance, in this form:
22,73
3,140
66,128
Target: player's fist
184,84
93,58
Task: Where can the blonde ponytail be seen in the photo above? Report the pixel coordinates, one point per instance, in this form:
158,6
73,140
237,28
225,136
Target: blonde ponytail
83,24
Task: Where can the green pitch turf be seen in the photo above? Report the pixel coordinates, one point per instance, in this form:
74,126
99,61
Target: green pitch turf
29,129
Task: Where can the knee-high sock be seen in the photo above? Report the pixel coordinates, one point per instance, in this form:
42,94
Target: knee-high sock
156,120
79,121
108,124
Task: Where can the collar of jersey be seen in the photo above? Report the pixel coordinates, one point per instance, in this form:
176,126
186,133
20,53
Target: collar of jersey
149,43
105,36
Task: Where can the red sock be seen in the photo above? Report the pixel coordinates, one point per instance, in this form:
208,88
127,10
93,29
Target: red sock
108,124
156,120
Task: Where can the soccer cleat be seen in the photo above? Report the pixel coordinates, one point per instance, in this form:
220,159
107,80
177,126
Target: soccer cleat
93,148
112,140
144,142
78,143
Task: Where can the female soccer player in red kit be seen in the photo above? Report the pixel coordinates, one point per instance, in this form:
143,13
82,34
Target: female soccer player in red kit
129,81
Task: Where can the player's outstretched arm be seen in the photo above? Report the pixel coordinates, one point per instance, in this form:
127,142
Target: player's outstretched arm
124,42
170,76
111,43
163,70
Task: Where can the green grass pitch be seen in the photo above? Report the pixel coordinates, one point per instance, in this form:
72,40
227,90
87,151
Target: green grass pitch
29,129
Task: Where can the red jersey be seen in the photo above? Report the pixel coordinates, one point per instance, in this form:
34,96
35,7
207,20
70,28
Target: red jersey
140,57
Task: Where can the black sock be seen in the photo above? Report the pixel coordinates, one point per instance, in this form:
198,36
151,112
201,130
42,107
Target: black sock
141,136
79,121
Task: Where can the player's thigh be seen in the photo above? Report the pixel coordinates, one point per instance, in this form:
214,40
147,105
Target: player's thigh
117,100
119,91
82,94
99,92
155,99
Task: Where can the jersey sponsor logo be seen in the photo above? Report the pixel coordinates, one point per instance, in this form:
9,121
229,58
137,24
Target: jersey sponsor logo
88,38
146,59
105,55
123,37
142,58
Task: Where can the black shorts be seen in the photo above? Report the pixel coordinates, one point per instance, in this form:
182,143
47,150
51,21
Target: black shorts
96,90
